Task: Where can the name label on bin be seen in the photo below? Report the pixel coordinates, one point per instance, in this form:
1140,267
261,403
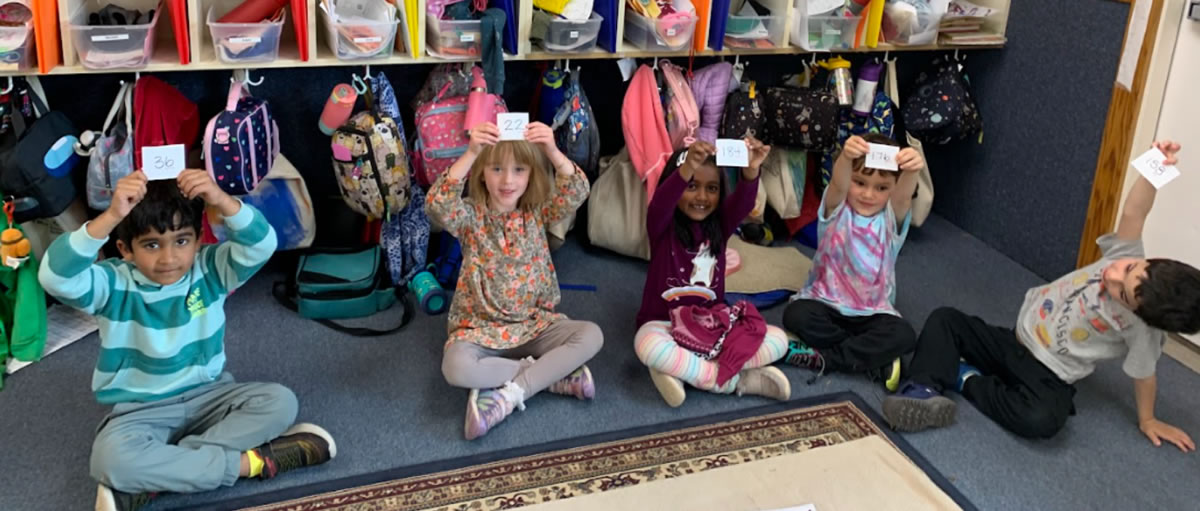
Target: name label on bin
110,37
375,39
574,34
466,38
244,40
670,32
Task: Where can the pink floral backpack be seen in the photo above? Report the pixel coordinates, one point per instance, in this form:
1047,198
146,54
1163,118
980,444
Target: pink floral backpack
441,133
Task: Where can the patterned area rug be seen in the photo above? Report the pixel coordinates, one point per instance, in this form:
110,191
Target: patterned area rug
583,467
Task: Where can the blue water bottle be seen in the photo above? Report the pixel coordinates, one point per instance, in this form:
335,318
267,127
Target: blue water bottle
430,295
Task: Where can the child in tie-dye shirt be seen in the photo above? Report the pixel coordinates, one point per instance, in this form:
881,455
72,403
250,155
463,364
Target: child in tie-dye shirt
846,317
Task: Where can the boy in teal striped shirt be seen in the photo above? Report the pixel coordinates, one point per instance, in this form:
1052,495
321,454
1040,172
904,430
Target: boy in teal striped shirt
179,423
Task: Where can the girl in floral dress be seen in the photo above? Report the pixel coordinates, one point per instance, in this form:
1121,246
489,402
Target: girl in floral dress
506,341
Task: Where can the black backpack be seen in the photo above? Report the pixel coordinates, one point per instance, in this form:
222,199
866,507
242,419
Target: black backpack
23,147
941,109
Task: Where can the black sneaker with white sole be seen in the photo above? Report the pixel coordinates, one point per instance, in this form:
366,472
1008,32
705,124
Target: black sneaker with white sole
302,445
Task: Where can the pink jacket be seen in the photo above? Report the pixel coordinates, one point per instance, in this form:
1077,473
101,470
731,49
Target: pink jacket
644,125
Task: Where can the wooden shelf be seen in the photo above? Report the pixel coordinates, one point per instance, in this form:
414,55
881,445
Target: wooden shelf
203,58
289,58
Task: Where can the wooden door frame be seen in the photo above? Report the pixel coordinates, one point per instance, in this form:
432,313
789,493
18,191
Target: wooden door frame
1116,145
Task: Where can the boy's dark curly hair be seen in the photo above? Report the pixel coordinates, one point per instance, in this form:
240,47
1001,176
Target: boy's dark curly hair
1169,296
163,209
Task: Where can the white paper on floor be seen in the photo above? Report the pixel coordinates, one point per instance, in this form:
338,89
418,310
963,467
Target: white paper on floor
64,325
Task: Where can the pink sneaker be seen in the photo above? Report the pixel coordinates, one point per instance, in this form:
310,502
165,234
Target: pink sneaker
487,408
579,384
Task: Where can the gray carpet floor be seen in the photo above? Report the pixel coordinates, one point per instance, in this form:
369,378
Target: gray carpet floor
385,402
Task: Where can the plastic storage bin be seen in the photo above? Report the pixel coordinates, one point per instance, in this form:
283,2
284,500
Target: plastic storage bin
818,33
453,39
754,32
245,42
668,35
16,47
361,39
567,36
109,47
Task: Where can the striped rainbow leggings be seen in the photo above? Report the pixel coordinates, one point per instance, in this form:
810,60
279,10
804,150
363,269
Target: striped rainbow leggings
658,350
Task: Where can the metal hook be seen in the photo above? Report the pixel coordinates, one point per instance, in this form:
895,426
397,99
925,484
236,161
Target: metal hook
568,65
656,63
956,54
885,55
8,88
368,72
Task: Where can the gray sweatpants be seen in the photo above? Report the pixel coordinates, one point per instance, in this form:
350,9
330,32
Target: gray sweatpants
191,442
559,350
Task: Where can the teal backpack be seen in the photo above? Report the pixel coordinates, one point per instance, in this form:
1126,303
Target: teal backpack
340,284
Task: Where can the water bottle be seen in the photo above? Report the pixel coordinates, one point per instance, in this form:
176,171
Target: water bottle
840,81
430,296
864,90
338,108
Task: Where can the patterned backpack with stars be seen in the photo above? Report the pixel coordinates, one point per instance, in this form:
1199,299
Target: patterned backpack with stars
941,108
241,142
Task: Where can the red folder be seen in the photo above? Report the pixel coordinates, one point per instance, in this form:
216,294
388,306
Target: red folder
300,21
179,22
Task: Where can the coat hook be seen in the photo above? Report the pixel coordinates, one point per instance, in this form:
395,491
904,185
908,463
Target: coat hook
9,87
252,82
956,54
656,63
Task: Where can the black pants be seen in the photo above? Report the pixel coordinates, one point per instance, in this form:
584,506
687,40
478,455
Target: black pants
852,344
1016,390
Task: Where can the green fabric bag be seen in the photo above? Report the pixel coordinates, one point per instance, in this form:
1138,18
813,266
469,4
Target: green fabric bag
22,311
342,284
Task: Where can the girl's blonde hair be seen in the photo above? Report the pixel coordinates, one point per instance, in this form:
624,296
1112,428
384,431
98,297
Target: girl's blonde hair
523,153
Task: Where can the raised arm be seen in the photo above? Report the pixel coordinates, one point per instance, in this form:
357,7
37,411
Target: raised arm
1141,197
445,204
570,185
67,270
839,183
911,163
741,202
251,241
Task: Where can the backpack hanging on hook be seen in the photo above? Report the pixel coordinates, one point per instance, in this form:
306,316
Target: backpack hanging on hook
241,142
941,107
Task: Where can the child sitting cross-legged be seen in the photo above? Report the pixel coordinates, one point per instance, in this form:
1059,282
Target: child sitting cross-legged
845,316
506,341
178,423
686,332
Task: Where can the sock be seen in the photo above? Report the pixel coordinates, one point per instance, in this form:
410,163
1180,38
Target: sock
256,463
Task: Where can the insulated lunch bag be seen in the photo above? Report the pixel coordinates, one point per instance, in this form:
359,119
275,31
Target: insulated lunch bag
340,284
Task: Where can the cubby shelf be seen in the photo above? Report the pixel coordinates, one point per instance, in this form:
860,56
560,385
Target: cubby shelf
203,57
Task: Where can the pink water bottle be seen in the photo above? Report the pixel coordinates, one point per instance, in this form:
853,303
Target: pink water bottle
338,108
481,107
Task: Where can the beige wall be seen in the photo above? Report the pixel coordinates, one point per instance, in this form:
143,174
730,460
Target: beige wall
1169,110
